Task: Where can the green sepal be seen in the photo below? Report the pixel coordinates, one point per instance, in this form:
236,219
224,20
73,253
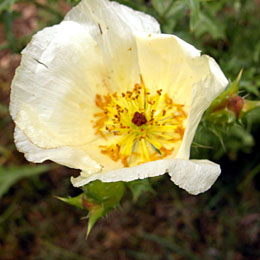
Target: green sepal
94,215
100,198
138,187
249,105
102,193
221,101
74,201
219,112
222,117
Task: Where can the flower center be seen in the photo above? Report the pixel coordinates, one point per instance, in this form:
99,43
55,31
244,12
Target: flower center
139,119
139,127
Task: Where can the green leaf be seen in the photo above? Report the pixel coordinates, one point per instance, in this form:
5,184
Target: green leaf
194,13
172,15
137,187
8,26
162,6
6,5
10,175
176,10
206,24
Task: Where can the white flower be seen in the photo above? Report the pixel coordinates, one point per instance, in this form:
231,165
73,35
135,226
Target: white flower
105,92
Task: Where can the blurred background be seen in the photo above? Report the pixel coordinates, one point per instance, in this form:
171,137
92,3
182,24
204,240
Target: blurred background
167,223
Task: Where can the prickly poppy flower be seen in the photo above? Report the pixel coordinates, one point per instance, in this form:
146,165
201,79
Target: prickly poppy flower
105,92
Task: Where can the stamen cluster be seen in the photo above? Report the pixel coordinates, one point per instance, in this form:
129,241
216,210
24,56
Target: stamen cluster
139,127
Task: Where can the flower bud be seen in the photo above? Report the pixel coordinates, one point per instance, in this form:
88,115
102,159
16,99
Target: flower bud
235,104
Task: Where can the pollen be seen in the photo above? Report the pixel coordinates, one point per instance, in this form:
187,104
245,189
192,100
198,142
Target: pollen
138,126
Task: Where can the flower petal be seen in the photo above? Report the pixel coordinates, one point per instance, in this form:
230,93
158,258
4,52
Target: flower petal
112,26
114,15
142,171
167,62
194,176
167,65
53,92
57,87
73,157
203,93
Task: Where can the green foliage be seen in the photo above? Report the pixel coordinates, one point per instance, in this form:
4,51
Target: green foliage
224,29
10,175
195,15
138,187
98,198
6,5
224,121
220,224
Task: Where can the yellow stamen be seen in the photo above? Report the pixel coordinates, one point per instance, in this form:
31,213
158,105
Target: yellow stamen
140,125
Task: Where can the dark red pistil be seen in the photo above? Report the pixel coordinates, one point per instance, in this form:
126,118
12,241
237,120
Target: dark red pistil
139,119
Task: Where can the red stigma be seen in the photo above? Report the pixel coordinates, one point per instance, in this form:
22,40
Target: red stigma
139,119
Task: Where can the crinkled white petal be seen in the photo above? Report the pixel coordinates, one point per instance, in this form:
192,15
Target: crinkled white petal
66,65
193,176
73,157
53,92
